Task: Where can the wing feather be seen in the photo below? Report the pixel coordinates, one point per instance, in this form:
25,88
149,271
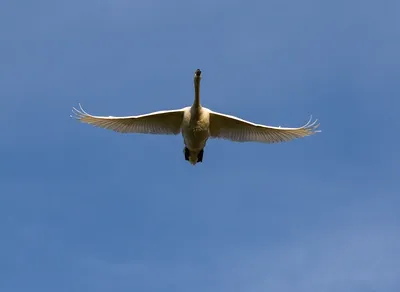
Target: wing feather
166,122
238,130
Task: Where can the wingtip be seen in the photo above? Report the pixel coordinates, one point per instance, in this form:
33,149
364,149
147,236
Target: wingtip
77,113
81,108
311,127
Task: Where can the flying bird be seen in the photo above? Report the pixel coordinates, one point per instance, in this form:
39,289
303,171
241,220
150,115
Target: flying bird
196,124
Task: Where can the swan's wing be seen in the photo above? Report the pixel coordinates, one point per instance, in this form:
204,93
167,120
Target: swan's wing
162,122
235,129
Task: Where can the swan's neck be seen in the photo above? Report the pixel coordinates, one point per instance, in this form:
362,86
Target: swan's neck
196,103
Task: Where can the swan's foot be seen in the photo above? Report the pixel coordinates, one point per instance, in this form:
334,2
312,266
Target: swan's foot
200,156
187,153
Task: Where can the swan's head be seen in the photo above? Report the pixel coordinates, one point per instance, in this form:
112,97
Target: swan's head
197,74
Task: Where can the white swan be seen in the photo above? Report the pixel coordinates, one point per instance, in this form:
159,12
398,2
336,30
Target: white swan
197,124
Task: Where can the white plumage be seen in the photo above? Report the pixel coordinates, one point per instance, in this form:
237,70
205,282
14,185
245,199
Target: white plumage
197,124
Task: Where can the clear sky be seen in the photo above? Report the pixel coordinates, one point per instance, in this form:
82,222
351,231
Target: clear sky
86,209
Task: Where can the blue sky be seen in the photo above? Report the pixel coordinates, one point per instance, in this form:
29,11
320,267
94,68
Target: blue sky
86,209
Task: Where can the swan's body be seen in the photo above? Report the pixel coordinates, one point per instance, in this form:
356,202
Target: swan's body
197,124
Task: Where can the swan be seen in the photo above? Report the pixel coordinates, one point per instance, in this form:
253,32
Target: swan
196,124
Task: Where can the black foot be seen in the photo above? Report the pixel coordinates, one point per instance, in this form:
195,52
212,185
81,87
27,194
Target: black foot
187,153
200,156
